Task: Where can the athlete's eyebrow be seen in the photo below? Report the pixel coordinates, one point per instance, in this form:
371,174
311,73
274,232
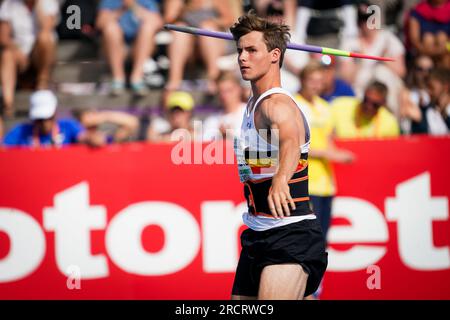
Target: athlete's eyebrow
246,48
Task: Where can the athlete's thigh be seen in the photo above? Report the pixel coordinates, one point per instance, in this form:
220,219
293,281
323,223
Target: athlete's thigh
282,281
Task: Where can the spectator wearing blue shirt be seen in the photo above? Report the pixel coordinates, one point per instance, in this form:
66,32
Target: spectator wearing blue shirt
333,86
45,130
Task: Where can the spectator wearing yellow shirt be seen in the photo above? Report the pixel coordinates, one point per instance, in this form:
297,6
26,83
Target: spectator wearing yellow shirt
322,149
353,118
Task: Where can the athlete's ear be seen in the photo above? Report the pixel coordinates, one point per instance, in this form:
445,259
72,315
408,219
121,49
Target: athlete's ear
276,55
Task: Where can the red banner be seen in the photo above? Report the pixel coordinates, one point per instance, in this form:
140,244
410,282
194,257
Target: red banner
131,222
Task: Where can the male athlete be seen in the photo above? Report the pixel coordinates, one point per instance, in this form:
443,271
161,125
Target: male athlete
283,251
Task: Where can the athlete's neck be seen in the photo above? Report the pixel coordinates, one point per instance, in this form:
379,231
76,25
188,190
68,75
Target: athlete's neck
268,81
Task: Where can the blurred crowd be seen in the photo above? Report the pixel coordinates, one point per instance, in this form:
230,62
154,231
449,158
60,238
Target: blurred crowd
343,97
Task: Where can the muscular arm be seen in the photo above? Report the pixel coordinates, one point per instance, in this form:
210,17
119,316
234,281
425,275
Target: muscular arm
281,115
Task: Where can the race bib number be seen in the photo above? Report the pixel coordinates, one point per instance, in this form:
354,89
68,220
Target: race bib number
243,168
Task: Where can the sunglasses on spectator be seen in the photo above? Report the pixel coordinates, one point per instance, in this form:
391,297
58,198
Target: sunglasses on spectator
373,103
42,120
418,68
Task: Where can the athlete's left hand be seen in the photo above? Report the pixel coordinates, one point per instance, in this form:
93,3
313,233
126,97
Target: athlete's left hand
280,198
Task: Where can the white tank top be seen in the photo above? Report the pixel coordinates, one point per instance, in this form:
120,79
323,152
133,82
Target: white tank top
252,140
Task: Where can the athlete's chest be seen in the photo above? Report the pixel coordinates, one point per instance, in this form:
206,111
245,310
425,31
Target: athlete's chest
255,119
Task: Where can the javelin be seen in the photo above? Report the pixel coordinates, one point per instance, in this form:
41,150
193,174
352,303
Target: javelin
290,45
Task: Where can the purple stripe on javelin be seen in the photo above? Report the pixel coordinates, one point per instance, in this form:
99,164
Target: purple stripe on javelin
200,32
229,36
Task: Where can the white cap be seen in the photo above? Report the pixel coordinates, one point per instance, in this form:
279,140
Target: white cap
42,105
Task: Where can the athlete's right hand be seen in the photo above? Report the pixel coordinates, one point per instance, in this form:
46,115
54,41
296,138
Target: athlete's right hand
280,198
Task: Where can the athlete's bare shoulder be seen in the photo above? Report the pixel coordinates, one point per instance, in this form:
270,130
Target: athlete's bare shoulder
279,108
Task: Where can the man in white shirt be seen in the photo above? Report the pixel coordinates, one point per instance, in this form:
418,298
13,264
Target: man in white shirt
360,72
27,38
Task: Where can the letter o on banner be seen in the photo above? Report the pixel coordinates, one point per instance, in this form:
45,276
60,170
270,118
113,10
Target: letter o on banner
181,231
27,247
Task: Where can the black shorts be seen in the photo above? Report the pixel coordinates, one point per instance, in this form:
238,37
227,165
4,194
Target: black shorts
300,242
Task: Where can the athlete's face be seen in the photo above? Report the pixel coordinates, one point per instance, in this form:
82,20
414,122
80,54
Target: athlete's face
254,58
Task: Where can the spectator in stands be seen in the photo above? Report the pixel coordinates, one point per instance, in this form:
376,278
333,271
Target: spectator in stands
322,149
215,15
273,10
333,86
179,106
428,30
230,95
416,93
369,118
133,22
392,12
27,38
381,42
434,118
327,21
118,126
45,129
